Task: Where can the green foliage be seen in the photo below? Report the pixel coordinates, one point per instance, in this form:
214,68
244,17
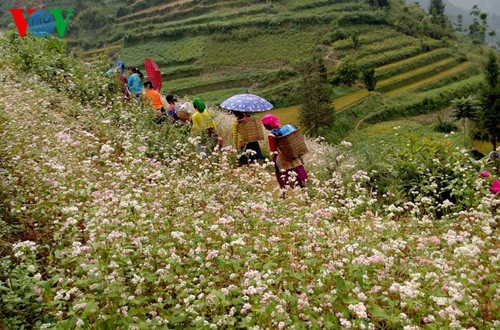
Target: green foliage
339,34
426,102
375,17
379,3
492,70
432,172
346,73
369,78
317,112
19,295
479,26
468,72
436,10
49,59
185,51
92,19
490,116
465,107
269,50
444,126
347,120
412,63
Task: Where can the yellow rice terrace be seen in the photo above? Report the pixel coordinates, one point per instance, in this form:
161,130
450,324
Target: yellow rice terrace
111,221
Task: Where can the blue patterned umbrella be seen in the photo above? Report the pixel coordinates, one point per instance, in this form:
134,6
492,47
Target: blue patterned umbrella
246,103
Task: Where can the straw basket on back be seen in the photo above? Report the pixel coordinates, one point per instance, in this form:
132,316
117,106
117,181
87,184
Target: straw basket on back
250,130
183,115
292,146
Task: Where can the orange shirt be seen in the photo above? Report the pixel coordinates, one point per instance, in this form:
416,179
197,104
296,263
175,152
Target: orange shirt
155,98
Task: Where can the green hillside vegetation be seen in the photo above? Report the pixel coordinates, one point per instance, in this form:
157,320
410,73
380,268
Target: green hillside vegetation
214,48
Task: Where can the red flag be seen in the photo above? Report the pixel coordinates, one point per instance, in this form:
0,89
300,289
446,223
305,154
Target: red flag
154,74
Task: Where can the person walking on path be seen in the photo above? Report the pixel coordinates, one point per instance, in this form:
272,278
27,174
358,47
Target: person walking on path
154,98
134,83
251,150
173,104
284,169
204,126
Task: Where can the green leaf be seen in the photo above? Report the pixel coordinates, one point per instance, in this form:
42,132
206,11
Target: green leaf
340,286
90,308
358,275
349,300
177,318
378,312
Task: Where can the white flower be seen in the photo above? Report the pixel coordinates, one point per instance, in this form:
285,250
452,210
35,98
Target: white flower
106,149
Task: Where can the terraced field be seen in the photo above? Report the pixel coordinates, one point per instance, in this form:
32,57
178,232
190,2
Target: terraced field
437,68
215,48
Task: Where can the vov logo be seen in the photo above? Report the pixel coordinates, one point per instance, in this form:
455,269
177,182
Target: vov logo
41,23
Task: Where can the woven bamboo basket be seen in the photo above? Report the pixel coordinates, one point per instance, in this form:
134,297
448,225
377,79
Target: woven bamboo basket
183,115
292,146
250,130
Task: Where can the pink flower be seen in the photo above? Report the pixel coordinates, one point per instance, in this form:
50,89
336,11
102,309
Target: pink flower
495,187
484,174
432,239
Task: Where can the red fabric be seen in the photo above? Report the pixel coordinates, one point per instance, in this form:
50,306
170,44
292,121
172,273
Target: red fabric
154,73
495,187
272,143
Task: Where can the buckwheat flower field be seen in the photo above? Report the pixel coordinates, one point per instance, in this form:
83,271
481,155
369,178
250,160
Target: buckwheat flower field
109,221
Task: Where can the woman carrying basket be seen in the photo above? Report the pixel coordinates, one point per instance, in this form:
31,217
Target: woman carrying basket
204,126
283,168
251,150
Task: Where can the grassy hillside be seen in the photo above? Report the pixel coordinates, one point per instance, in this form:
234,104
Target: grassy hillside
216,48
110,221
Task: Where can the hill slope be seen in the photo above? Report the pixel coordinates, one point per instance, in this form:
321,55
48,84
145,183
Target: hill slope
111,221
217,48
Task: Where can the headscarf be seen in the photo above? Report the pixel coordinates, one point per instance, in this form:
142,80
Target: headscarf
271,121
199,104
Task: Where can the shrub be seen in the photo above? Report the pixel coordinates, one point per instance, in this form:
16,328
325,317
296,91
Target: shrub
346,73
339,34
369,78
434,173
444,126
49,59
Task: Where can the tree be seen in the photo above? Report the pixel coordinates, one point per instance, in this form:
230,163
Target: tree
317,112
464,109
369,78
492,70
479,26
355,41
490,115
346,72
459,25
436,10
